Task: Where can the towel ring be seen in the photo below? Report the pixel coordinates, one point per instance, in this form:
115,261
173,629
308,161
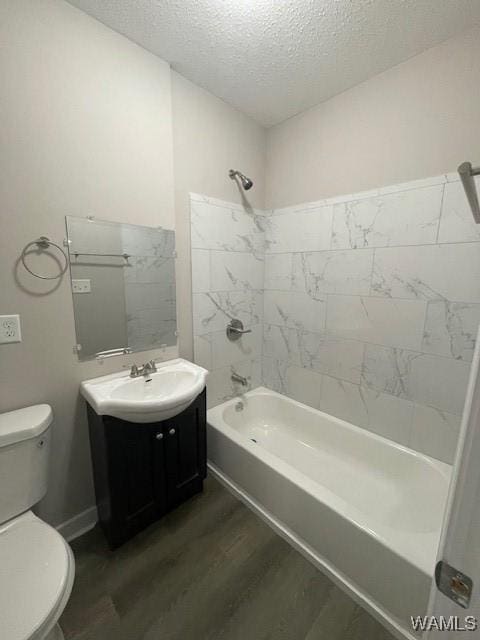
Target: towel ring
44,243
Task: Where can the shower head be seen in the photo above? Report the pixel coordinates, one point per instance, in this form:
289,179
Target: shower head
246,182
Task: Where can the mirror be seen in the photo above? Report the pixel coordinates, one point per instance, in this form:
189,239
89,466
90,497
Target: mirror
123,286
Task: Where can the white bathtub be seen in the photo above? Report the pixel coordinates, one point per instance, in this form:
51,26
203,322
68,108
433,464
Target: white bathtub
365,510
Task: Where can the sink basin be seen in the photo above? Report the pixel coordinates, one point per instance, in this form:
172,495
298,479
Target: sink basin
158,396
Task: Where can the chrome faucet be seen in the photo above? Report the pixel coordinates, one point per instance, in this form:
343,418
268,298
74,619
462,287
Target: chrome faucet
144,370
236,377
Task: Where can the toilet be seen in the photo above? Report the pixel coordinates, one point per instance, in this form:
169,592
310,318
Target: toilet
36,564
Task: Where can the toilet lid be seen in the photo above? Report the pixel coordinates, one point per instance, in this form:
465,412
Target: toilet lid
34,569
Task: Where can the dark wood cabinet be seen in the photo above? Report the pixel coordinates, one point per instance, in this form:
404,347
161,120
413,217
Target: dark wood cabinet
141,471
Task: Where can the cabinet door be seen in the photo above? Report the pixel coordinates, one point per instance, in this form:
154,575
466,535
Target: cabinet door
138,474
159,468
186,452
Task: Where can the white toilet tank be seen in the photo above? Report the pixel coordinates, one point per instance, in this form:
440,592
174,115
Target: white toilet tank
25,437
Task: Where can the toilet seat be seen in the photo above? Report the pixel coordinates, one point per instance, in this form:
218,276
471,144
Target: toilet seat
36,577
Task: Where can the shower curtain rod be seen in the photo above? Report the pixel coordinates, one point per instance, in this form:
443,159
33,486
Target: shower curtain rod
467,173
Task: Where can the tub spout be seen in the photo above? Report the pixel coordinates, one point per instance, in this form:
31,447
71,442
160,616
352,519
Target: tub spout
238,378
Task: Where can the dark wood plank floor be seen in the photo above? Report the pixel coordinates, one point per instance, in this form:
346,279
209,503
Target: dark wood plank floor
211,570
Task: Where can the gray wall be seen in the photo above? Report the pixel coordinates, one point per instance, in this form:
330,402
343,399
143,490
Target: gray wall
416,120
86,130
209,137
100,316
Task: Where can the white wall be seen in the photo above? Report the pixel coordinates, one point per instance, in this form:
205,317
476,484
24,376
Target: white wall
209,138
416,120
85,130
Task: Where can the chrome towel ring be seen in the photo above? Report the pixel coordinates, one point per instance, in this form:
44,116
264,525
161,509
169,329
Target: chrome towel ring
43,243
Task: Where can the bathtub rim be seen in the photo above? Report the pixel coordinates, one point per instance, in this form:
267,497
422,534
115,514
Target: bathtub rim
325,495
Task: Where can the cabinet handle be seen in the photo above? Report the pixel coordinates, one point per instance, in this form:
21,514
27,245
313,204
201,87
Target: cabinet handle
159,436
172,432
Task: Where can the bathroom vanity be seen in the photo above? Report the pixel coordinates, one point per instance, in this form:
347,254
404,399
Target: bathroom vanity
148,441
142,471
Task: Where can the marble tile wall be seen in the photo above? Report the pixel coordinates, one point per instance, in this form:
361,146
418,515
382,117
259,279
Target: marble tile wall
228,246
365,306
150,296
371,308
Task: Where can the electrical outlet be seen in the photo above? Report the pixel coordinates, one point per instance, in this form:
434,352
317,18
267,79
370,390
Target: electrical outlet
10,329
81,285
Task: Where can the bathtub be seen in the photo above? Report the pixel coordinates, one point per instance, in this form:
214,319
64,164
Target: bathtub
365,510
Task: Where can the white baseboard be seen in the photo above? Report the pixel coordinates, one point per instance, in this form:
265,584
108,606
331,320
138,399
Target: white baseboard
79,524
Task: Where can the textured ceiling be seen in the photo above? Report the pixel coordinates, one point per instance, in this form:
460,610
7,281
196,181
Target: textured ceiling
274,58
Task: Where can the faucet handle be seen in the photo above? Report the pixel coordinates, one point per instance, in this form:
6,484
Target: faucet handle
235,330
236,377
134,371
152,365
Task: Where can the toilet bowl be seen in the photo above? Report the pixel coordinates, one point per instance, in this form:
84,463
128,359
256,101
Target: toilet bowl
36,563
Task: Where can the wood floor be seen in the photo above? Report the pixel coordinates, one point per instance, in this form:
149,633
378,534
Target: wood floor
211,570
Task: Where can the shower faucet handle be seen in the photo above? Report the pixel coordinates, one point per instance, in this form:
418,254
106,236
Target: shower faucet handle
235,329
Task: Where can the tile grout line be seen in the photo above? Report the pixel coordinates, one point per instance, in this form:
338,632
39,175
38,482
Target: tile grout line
409,401
338,338
369,248
364,295
440,217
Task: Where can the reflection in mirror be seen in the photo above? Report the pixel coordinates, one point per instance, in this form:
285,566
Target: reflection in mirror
123,285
